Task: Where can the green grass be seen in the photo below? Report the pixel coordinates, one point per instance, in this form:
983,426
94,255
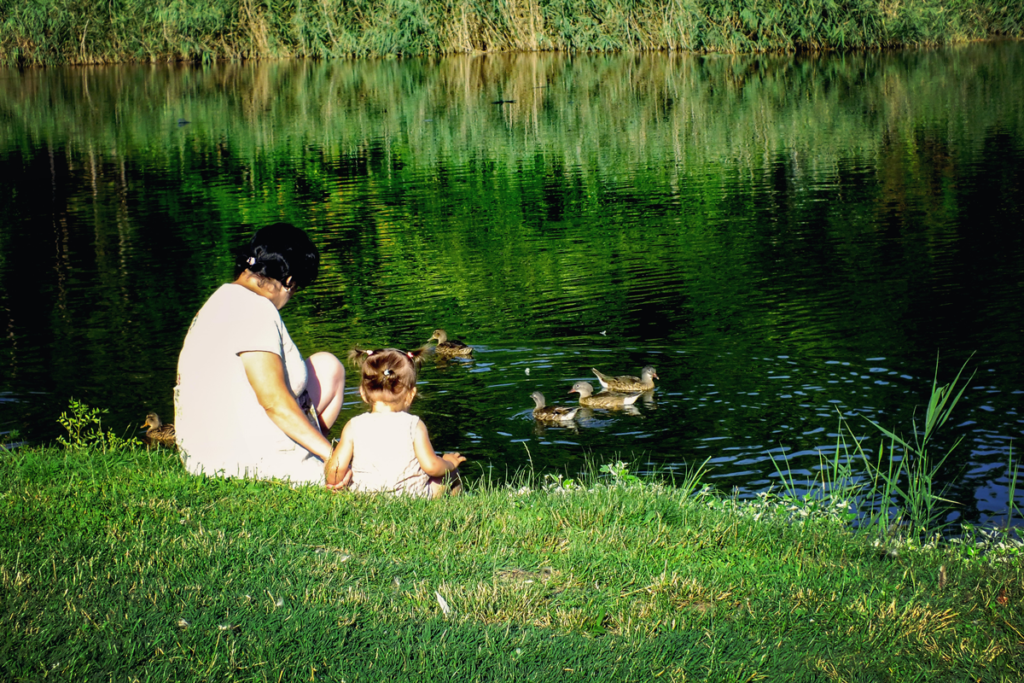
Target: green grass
117,565
69,31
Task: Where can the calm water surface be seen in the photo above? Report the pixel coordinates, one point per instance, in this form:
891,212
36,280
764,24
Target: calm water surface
787,240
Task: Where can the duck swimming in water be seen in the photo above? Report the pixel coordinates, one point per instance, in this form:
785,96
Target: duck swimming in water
551,413
602,400
628,383
448,348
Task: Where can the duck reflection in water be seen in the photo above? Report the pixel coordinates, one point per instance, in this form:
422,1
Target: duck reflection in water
588,418
542,428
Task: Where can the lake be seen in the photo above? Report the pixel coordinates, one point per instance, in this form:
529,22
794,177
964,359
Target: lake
788,240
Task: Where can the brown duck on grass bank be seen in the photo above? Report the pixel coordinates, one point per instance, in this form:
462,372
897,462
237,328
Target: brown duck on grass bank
628,383
551,413
449,348
158,432
602,400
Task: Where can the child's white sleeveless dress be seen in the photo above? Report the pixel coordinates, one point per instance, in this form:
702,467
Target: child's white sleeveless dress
383,458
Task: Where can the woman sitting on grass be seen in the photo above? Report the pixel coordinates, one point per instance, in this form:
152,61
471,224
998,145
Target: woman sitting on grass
247,404
387,449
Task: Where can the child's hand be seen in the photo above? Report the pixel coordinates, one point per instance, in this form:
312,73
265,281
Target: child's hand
453,458
337,476
341,484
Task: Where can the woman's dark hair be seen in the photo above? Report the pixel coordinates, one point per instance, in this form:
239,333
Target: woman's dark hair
280,251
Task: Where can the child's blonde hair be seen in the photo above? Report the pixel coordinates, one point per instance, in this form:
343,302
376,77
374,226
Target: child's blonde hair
387,374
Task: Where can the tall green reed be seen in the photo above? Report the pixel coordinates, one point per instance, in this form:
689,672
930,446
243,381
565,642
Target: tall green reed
896,492
912,479
1012,473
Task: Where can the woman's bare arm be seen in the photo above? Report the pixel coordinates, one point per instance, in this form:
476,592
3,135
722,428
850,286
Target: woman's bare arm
265,372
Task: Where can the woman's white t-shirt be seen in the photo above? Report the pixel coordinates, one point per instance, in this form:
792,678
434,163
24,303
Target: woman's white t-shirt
221,428
383,457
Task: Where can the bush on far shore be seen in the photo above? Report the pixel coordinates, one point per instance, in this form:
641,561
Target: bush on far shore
72,32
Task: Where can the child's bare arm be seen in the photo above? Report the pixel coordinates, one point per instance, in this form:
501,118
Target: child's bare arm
429,461
338,470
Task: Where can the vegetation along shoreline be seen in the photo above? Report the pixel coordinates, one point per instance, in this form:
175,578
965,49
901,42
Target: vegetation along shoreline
70,32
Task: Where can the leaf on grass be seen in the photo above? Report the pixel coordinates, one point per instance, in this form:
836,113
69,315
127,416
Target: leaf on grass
443,603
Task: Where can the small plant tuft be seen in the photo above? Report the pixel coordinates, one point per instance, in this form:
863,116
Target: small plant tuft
9,440
84,426
620,474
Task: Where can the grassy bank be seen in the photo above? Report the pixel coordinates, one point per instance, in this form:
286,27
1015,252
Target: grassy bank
70,31
116,565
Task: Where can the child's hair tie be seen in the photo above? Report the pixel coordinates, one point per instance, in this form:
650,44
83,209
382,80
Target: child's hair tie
409,353
251,261
388,372
370,352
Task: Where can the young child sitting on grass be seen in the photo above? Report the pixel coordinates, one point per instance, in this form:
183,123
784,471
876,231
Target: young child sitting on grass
388,449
